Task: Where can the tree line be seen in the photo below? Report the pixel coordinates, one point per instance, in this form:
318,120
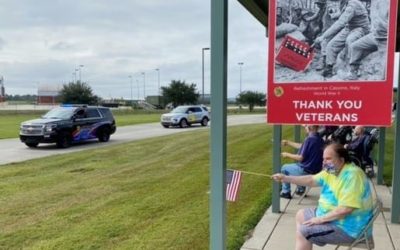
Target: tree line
176,93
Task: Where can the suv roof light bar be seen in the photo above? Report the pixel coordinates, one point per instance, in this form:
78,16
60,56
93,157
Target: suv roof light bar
73,105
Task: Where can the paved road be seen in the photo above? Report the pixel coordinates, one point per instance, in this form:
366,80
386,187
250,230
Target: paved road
12,150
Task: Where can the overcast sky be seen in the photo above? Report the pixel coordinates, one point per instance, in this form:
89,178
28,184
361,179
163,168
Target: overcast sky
42,42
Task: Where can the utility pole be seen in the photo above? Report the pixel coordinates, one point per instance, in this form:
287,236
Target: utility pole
202,74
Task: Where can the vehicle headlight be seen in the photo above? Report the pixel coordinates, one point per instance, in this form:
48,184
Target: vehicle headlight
49,127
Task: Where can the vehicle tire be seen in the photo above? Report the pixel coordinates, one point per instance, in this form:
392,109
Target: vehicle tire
32,144
103,135
165,126
204,122
183,123
64,141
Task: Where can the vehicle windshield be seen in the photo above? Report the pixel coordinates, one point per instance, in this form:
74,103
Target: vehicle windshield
179,110
59,113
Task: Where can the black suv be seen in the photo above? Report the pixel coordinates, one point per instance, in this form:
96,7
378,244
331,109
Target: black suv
67,124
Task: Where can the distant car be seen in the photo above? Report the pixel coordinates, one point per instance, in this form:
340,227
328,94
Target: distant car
184,116
67,124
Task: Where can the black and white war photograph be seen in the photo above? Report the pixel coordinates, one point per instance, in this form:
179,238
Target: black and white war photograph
331,40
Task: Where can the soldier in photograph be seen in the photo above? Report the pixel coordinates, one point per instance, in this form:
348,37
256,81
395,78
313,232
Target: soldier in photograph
313,21
280,16
331,15
369,43
352,24
296,16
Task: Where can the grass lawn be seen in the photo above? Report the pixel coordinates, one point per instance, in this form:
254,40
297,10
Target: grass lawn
150,194
123,197
389,153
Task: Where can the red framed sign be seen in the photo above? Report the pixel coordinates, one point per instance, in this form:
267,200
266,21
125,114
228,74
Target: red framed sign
331,62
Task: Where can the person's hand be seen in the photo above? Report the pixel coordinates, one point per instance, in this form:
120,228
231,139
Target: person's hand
313,221
318,40
285,142
334,14
278,177
285,154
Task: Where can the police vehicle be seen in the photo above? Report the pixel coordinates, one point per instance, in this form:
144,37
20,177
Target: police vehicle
68,124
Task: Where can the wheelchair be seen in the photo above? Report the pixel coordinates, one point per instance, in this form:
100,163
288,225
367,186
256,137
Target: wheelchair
363,158
342,135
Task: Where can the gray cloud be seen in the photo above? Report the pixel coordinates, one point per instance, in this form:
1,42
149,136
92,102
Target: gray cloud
2,43
62,46
45,40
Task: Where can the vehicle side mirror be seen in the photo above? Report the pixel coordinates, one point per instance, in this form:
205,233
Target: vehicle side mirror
189,112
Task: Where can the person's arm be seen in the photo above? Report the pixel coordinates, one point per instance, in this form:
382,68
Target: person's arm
339,24
293,144
344,19
295,157
336,214
304,180
313,17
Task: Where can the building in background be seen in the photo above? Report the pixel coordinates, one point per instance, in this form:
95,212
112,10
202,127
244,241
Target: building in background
156,100
2,90
48,94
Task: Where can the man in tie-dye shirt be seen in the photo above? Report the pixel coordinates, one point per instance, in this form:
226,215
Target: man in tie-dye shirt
345,204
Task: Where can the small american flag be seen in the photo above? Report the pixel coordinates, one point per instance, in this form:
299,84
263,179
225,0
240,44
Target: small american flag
232,184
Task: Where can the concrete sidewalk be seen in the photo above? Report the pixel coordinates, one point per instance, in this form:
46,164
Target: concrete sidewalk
277,231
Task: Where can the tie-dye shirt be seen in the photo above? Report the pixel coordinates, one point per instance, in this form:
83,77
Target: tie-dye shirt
349,189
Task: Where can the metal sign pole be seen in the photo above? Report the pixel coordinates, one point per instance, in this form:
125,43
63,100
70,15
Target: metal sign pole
395,216
219,55
381,155
276,162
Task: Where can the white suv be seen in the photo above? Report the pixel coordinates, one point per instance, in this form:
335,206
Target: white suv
184,116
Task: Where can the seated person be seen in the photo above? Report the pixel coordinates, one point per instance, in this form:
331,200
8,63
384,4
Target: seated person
341,135
362,146
357,144
309,159
326,131
346,198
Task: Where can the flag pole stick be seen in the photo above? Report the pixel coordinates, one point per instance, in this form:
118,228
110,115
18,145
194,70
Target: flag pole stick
247,172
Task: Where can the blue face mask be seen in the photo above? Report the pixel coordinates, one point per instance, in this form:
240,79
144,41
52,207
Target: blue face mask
330,168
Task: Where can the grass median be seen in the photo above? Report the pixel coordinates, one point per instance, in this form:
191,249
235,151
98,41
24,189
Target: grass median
150,194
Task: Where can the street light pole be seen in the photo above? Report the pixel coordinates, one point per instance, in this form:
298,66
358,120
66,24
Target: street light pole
131,89
144,85
138,89
202,74
158,75
76,80
74,74
80,73
240,79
